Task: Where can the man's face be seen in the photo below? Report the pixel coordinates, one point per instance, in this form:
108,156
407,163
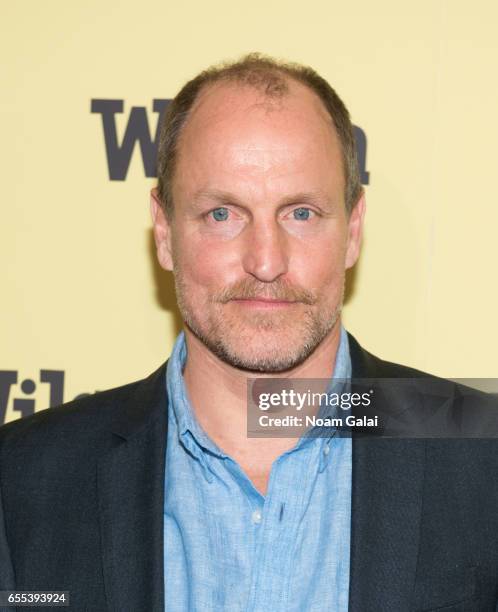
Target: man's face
259,241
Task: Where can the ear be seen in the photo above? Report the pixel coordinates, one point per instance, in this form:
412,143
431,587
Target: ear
162,231
355,231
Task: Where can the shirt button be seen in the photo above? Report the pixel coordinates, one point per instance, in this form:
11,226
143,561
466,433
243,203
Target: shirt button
256,516
326,450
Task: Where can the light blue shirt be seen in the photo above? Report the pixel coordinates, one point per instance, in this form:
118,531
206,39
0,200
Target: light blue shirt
229,548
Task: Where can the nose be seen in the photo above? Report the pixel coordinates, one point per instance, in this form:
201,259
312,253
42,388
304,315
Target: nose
265,251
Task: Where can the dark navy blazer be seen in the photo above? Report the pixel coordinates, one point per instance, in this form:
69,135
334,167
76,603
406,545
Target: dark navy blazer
82,490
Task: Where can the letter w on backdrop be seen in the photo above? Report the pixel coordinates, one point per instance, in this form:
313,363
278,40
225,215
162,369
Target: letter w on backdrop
137,130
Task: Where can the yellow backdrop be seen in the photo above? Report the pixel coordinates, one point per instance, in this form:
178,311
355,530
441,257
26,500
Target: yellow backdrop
84,306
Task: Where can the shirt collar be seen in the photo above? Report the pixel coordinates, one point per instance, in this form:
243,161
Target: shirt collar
339,382
190,433
194,438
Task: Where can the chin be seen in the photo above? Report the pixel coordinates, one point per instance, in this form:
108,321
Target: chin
265,355
271,350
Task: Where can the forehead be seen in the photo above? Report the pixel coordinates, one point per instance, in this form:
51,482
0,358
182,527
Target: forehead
237,130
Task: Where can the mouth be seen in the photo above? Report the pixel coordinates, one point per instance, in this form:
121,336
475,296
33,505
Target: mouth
266,303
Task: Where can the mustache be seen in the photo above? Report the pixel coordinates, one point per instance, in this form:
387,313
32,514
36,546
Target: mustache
252,289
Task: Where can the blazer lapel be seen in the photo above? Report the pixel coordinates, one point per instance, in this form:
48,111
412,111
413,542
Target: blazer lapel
131,497
387,493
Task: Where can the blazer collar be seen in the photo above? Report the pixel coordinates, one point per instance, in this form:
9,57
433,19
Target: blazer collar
145,400
130,483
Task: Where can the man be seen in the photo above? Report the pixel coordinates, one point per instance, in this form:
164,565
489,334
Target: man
152,496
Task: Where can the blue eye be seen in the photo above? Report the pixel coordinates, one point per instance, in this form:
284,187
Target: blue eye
302,214
220,214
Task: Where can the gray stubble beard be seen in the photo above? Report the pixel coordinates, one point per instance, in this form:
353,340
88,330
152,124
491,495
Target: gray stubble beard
317,328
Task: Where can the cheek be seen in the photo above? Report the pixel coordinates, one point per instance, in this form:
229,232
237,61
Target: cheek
207,264
321,263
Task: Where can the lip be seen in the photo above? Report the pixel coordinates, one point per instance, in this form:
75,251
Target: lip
264,303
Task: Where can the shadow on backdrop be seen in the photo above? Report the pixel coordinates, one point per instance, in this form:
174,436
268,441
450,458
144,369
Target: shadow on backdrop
165,287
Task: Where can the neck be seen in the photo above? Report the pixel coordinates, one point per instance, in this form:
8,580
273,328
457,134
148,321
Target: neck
218,395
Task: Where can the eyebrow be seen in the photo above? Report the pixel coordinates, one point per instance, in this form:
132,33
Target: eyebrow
225,197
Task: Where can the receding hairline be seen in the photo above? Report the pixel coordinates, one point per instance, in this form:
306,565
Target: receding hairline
273,103
271,76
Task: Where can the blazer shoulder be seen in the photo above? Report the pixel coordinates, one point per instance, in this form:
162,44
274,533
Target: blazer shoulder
366,365
455,413
92,413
